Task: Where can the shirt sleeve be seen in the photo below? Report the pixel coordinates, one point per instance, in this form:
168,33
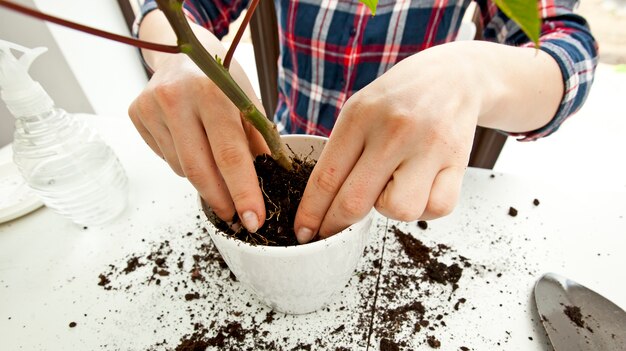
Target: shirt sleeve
214,15
566,37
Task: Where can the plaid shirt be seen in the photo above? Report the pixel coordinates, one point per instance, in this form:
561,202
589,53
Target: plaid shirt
329,49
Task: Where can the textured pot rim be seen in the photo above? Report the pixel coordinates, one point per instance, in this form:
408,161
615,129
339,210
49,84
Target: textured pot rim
338,239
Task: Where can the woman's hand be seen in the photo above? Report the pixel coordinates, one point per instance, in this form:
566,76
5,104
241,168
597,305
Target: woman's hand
190,123
402,143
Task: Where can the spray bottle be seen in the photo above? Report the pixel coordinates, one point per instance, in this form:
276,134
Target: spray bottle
63,160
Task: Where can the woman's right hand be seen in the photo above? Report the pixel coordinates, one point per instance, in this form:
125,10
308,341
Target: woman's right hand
187,120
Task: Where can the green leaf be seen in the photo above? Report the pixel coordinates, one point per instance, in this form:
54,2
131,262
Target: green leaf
526,14
371,4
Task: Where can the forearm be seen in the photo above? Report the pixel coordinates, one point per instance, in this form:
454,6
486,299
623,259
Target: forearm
566,38
155,28
521,87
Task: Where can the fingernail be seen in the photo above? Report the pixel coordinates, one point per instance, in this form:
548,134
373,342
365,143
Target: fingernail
234,226
304,235
250,221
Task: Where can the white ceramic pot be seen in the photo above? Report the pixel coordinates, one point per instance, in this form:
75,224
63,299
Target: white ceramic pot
295,279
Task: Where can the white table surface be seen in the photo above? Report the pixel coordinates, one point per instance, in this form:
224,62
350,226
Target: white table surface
49,269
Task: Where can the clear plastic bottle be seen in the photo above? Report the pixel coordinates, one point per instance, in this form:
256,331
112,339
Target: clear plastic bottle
63,160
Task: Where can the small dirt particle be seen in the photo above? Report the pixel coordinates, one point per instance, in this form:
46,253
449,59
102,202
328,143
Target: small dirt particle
192,296
388,345
433,342
339,329
422,224
132,264
104,281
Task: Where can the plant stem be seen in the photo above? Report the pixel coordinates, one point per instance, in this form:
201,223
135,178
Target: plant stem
191,46
90,30
242,28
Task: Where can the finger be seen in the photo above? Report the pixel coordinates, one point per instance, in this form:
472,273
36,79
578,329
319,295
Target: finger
337,159
162,138
165,143
360,190
406,194
133,113
445,192
198,165
232,156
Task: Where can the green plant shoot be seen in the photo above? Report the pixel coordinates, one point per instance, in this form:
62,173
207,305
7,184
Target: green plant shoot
526,14
371,4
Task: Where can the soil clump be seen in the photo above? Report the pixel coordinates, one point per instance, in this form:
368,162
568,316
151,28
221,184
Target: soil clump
282,191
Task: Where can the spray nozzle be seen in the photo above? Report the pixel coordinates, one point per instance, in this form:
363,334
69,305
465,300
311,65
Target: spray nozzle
14,71
22,94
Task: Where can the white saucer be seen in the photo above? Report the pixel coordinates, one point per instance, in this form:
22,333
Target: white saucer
16,199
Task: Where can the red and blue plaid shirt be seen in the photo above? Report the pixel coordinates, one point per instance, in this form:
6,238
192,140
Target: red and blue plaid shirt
329,49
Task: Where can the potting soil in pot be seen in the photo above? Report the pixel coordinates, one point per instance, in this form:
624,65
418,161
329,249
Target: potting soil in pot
282,191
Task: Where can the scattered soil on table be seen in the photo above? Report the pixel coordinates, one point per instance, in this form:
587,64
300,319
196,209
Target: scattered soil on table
104,281
194,342
426,257
282,191
458,303
388,345
72,324
192,296
186,271
181,273
512,212
536,202
269,317
339,329
427,273
132,264
232,331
